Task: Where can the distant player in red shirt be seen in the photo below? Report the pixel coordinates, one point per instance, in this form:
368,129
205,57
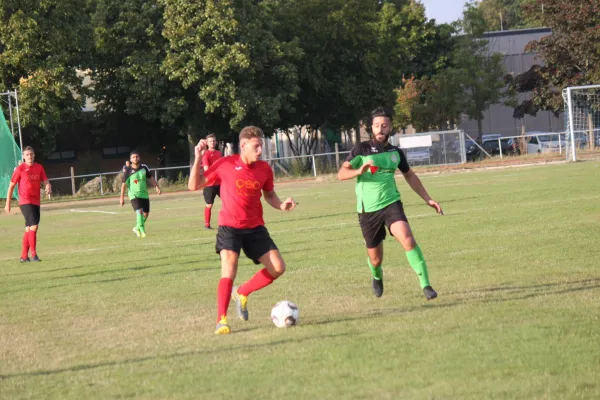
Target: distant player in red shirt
244,179
29,175
211,191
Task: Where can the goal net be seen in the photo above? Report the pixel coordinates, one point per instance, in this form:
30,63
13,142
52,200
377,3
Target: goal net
10,154
582,119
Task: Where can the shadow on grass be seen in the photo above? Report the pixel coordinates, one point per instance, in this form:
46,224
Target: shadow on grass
516,293
124,278
216,350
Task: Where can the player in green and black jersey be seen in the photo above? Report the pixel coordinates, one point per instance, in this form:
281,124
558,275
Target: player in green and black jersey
135,178
374,164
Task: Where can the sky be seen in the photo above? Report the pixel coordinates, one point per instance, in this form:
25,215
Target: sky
444,10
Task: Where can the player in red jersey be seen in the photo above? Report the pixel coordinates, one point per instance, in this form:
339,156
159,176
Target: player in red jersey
29,175
244,179
211,191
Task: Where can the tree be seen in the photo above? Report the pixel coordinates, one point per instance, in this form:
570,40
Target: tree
570,56
502,15
43,43
469,83
354,54
225,53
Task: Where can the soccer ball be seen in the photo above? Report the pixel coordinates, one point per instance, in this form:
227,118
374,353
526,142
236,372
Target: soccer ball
284,314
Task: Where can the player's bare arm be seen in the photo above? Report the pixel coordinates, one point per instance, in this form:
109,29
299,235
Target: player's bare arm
197,179
274,201
415,183
155,184
347,172
9,193
47,186
122,199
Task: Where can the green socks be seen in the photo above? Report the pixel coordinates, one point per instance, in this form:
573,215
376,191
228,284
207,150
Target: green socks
417,262
140,221
377,272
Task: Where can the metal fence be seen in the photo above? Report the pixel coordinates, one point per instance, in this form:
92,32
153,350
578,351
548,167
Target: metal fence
431,148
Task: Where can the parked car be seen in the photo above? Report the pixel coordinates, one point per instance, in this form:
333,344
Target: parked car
492,147
545,142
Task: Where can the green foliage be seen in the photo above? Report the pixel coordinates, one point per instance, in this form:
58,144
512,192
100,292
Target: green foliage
568,57
226,53
508,14
42,45
471,81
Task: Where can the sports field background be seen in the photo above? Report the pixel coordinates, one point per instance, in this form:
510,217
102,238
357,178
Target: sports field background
515,261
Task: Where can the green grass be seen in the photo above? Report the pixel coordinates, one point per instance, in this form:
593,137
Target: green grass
515,262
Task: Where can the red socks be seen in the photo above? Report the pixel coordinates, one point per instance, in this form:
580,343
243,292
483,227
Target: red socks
223,297
25,249
260,279
207,216
33,242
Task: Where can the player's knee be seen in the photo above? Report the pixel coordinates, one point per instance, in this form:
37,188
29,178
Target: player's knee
376,260
209,206
33,228
409,242
279,267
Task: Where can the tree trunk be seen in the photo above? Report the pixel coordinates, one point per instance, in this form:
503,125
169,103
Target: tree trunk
479,128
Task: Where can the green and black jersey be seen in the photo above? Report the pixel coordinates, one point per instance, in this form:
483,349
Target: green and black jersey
136,180
376,188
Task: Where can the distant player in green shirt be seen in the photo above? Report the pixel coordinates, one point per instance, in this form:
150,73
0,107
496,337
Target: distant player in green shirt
374,164
135,178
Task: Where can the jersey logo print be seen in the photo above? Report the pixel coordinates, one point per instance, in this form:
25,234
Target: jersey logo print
394,158
238,168
135,181
373,169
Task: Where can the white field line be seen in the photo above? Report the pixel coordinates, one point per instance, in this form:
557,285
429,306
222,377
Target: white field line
341,224
75,210
211,240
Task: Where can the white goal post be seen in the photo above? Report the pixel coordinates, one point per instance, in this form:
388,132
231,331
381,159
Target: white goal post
582,119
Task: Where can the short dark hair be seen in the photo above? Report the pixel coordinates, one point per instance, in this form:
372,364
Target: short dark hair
250,132
134,152
28,148
380,112
212,135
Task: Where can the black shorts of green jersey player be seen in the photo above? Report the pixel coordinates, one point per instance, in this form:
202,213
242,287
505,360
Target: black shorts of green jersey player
135,181
374,164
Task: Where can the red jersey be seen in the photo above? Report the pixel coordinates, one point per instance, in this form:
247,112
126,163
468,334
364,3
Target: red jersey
241,190
29,179
209,158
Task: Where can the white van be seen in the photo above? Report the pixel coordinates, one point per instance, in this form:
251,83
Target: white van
545,142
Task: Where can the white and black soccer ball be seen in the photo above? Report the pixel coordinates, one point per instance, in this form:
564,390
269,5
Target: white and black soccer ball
284,314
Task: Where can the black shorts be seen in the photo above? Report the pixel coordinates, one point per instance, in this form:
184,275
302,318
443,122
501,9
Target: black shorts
255,242
143,204
210,193
373,224
31,212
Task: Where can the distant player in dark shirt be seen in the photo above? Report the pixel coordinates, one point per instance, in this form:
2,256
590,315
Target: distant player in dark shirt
244,179
135,178
29,175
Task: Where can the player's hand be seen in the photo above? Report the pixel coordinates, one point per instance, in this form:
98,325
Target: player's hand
288,204
200,148
434,204
158,190
7,206
365,167
122,201
48,189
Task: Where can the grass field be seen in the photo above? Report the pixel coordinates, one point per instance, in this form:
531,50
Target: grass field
515,262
